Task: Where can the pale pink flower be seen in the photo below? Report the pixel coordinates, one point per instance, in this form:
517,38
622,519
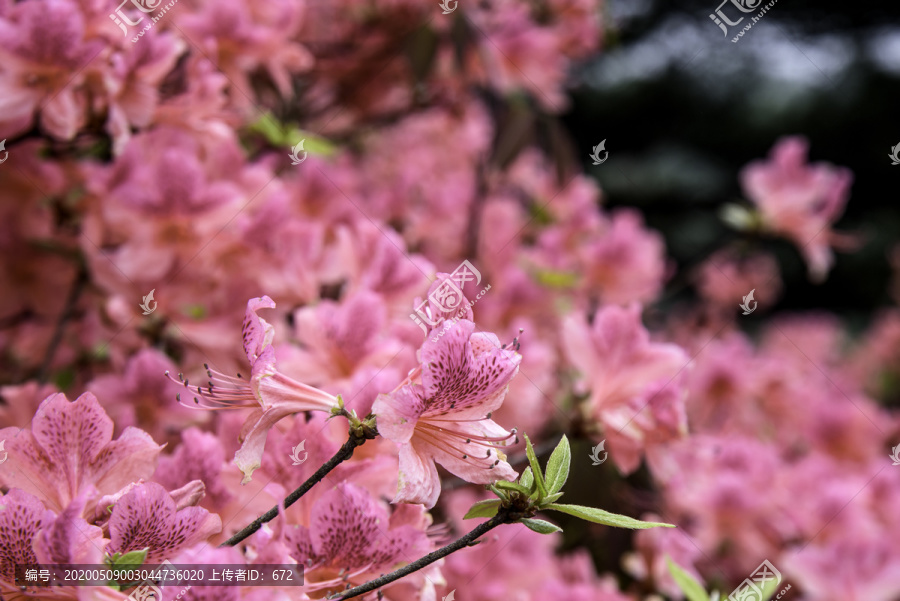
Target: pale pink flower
446,418
139,397
43,51
626,262
338,339
800,201
270,393
69,448
725,277
617,360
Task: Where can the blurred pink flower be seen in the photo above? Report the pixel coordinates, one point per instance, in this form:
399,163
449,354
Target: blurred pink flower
626,262
725,277
619,364
43,51
271,394
446,419
70,448
800,201
139,397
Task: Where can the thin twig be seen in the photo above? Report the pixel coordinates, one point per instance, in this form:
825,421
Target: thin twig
343,454
502,517
81,280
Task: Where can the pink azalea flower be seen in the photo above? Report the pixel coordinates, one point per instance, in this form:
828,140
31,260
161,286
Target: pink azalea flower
446,418
626,262
800,201
44,49
137,396
69,448
271,394
147,517
350,531
617,359
32,534
21,518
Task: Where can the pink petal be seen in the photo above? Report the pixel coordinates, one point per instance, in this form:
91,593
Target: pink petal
147,517
398,412
249,457
418,480
69,448
465,373
70,539
21,517
258,334
345,522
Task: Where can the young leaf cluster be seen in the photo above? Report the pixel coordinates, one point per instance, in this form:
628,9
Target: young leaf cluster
538,490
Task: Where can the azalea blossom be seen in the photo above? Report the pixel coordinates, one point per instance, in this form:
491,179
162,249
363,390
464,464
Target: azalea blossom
800,201
352,538
70,448
270,394
444,416
148,517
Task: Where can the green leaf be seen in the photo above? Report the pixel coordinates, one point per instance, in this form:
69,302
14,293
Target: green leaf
692,589
556,279
132,558
540,526
552,498
558,466
598,516
503,484
279,134
483,509
535,468
527,479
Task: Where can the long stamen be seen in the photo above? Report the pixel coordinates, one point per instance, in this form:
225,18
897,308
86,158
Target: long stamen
238,394
443,445
471,437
